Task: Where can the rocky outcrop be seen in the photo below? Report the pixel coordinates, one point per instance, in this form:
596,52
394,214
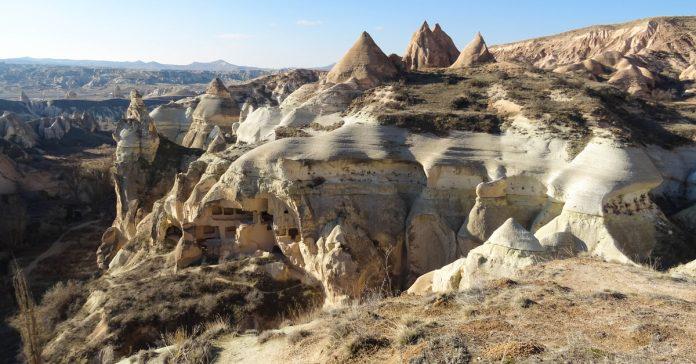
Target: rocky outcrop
215,108
509,249
118,93
476,52
144,170
365,62
446,43
634,79
16,130
136,137
590,68
429,49
173,119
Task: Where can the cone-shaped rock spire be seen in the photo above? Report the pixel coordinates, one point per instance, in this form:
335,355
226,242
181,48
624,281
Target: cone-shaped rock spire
137,109
474,53
365,62
428,49
217,88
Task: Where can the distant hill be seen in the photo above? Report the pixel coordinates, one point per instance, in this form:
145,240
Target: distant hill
214,66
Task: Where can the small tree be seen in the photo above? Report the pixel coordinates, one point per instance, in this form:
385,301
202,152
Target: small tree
28,325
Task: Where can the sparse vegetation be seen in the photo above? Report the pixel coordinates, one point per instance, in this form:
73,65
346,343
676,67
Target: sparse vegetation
282,132
296,336
196,345
243,298
518,320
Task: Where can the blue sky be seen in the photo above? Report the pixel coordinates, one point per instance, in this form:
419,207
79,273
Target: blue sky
279,33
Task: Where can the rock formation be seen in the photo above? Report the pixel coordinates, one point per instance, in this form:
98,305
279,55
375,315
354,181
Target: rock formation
365,62
634,79
136,137
446,43
25,99
336,201
429,49
143,171
215,108
16,130
509,249
118,93
476,52
173,120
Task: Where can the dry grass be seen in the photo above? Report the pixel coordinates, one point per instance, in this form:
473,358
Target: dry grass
554,312
138,310
196,345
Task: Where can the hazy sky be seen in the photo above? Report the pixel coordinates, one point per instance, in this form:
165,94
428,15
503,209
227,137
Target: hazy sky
279,33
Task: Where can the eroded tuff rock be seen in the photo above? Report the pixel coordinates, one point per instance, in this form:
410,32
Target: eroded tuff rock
143,172
215,108
365,62
509,249
367,190
476,52
16,130
174,119
429,49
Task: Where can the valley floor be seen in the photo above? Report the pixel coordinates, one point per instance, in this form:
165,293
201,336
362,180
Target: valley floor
574,310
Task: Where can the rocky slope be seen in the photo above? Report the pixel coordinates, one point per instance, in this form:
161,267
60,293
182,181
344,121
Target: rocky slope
673,37
636,55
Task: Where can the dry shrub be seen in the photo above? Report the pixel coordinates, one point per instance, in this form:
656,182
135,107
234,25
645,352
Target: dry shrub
282,132
512,349
26,320
367,344
269,335
448,349
196,346
59,303
296,336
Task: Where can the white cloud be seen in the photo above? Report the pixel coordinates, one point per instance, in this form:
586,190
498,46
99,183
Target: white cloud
309,23
234,36
379,28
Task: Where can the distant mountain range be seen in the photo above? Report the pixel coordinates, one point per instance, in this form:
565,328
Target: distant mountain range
214,66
